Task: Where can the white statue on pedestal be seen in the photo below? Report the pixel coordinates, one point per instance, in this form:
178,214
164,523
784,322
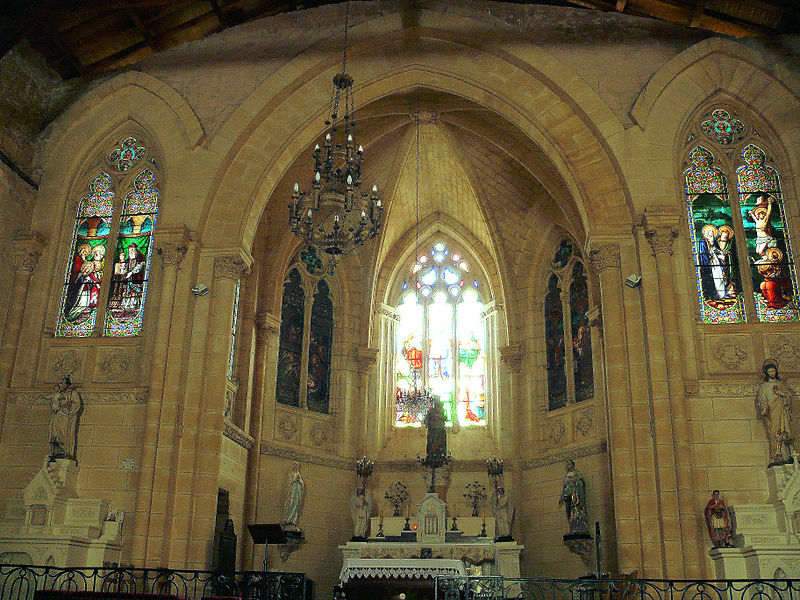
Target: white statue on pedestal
773,403
503,509
360,509
65,408
293,506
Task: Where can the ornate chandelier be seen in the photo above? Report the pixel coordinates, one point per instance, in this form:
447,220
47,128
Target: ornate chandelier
335,216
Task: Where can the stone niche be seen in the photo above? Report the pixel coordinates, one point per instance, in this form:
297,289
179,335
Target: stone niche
767,535
50,525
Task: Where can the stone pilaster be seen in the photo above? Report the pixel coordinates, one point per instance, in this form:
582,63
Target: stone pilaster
605,257
28,248
684,554
161,414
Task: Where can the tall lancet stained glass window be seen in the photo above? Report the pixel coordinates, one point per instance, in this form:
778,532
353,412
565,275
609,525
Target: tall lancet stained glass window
290,349
84,273
769,250
712,235
440,338
570,373
131,272
319,350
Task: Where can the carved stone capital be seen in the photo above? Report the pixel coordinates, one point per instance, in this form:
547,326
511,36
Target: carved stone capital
28,248
661,238
172,252
229,267
387,311
367,357
267,324
511,356
605,256
595,318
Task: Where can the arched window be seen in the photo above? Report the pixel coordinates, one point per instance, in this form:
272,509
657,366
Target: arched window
566,317
234,327
86,294
440,338
304,362
735,235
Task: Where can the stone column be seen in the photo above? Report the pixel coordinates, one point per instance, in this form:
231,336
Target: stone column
155,460
606,260
380,427
682,538
28,248
267,328
511,356
367,358
228,270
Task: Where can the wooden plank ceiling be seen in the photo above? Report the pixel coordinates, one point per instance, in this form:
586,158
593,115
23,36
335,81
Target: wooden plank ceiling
89,37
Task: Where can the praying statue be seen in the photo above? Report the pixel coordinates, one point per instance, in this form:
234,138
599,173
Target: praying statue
573,497
774,406
65,408
360,509
503,510
293,505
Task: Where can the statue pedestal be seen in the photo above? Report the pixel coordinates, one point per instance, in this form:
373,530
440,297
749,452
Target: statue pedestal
50,525
767,535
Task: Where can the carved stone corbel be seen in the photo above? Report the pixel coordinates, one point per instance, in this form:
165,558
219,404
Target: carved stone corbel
367,357
511,356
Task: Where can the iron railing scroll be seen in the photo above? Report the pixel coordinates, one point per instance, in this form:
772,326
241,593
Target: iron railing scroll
25,582
506,588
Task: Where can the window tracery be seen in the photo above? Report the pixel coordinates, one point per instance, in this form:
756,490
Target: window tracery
440,337
746,232
112,287
566,310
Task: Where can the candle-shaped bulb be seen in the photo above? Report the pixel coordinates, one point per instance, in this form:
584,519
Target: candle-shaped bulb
349,180
379,203
349,137
328,137
309,213
363,214
296,187
316,148
360,149
374,189
317,176
336,219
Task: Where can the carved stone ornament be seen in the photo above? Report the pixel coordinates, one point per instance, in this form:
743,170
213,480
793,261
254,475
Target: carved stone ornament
115,365
27,250
388,312
39,397
229,267
63,363
556,432
785,349
367,357
236,435
267,324
287,427
728,352
511,356
605,256
584,422
661,238
319,435
172,252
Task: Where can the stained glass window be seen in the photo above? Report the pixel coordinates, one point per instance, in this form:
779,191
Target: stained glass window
131,273
234,326
290,349
722,127
440,338
712,233
126,154
554,342
84,272
769,249
581,334
319,352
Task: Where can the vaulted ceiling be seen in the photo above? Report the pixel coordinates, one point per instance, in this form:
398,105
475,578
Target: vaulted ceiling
89,37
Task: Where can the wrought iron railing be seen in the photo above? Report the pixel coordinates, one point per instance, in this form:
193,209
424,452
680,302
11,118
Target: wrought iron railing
52,583
496,588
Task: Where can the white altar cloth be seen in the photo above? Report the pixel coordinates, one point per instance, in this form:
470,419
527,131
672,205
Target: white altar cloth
399,568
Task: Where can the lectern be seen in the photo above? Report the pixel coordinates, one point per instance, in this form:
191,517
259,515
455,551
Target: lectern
268,533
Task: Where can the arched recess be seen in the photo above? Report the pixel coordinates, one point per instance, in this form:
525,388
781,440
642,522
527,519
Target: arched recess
544,111
689,80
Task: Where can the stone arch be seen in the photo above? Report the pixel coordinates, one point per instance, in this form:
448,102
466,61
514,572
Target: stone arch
715,66
284,115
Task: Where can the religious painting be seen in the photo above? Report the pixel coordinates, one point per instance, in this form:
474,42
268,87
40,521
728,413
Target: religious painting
290,347
769,251
581,334
711,230
128,290
319,352
554,343
471,406
84,276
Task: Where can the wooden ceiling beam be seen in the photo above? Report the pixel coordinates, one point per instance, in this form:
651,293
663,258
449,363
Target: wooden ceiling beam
109,61
221,16
73,60
154,43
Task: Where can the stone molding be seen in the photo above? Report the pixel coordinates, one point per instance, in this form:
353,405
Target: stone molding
595,318
28,247
541,461
511,356
388,312
229,267
411,466
367,357
605,256
267,324
661,238
237,436
42,397
291,454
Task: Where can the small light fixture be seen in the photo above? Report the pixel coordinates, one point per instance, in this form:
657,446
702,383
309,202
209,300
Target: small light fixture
200,290
633,280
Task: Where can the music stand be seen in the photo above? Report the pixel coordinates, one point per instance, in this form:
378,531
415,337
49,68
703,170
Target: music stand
267,533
